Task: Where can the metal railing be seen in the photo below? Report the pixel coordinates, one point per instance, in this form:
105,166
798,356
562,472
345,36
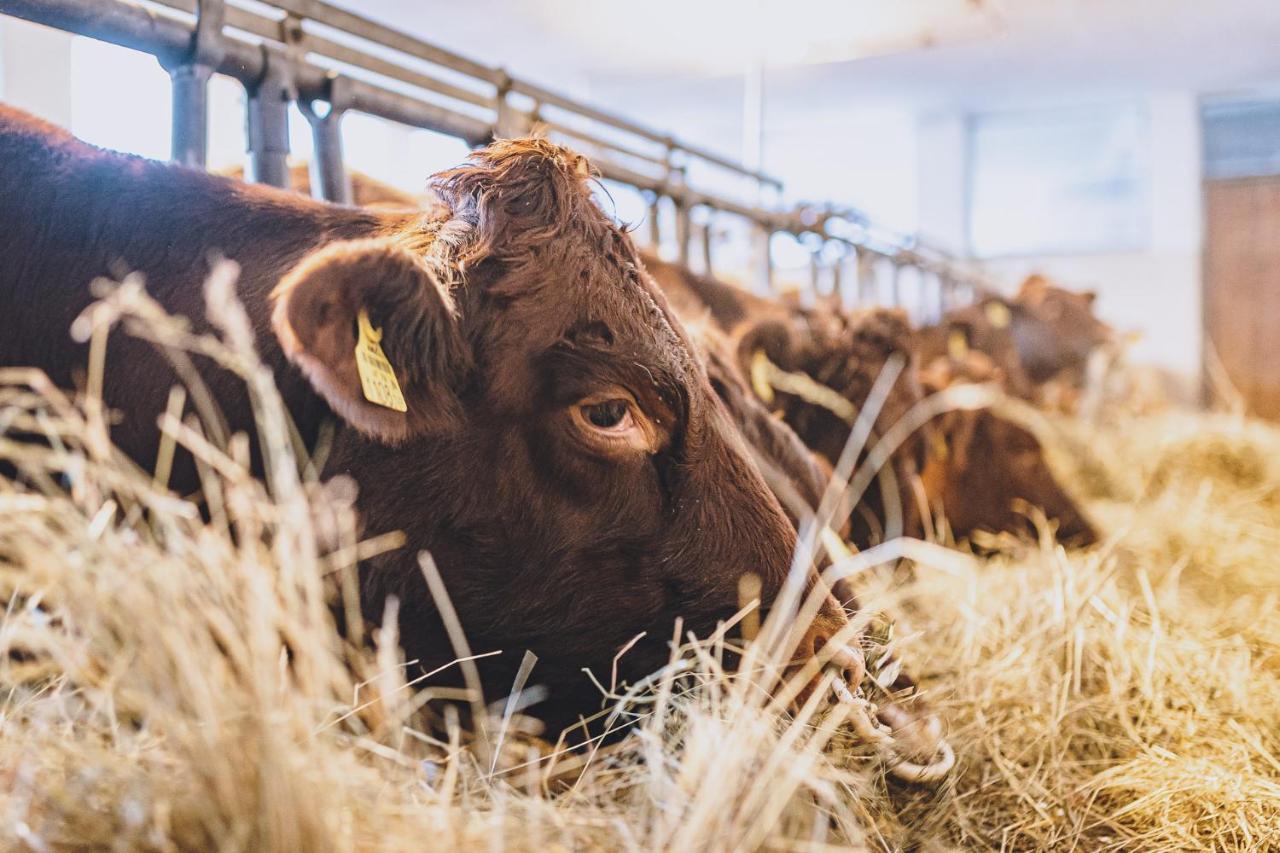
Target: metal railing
330,61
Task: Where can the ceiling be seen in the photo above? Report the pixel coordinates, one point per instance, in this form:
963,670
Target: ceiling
955,53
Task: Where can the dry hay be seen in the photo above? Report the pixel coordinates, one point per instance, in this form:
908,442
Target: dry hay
176,684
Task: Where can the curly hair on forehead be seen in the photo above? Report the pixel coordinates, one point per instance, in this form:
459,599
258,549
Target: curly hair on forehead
513,199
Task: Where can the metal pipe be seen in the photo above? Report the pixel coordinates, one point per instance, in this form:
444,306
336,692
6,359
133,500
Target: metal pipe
868,284
369,30
189,134
706,233
328,170
268,122
655,227
328,173
273,75
837,288
684,233
189,79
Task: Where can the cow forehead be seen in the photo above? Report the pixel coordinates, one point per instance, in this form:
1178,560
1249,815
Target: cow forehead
608,297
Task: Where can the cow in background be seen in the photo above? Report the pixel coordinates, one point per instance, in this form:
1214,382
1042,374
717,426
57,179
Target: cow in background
1041,339
986,471
975,466
842,351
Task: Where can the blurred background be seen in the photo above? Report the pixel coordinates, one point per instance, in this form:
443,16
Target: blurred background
1130,147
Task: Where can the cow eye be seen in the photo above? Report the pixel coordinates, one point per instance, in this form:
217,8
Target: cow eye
613,415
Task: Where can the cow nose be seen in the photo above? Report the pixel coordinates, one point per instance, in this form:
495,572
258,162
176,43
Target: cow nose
826,641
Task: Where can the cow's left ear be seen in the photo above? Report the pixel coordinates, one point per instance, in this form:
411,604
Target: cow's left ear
377,334
1033,288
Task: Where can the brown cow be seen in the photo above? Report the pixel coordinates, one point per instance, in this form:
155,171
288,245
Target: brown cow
990,463
844,351
987,465
984,464
1045,333
365,191
561,452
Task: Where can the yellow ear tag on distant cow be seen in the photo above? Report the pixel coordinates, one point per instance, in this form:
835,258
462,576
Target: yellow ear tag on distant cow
957,345
999,315
760,376
938,447
376,376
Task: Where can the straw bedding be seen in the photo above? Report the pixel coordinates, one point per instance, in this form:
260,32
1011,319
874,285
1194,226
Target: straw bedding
173,682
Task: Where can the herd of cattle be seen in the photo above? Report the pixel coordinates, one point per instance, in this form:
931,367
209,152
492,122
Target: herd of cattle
591,442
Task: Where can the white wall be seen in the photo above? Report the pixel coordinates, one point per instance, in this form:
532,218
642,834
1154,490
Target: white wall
35,70
1155,291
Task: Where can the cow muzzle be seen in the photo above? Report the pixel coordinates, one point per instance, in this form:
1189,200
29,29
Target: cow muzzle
908,739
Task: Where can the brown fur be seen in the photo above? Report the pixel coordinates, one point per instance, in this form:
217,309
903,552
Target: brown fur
990,465
500,311
843,350
1048,337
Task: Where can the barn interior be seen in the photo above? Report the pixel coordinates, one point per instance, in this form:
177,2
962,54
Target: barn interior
1102,658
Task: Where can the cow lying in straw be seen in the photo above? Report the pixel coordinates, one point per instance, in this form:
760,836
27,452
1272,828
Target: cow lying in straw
511,392
1040,341
817,367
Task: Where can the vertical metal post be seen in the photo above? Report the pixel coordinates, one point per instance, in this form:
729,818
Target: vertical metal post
510,122
268,121
837,286
684,226
868,287
189,78
684,231
707,235
655,221
815,270
895,283
328,171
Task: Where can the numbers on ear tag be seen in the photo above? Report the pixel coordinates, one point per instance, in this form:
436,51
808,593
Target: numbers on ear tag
377,378
957,345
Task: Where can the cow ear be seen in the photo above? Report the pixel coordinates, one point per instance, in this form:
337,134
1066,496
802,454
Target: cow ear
1034,288
377,335
773,338
1089,296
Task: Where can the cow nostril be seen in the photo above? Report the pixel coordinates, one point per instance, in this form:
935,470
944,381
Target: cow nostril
846,660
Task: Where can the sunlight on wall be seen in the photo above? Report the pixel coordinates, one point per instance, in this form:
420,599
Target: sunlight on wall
119,99
1060,181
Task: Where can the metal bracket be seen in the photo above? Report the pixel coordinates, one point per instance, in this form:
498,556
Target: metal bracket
268,119
189,77
508,121
328,172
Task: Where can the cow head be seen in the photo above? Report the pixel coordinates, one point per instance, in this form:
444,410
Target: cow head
986,470
845,351
561,452
1055,329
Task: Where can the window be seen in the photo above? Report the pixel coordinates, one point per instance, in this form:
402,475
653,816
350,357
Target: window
1057,182
1241,139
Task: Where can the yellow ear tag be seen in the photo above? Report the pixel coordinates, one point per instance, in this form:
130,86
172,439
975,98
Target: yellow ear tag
957,345
999,315
376,376
938,446
760,376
